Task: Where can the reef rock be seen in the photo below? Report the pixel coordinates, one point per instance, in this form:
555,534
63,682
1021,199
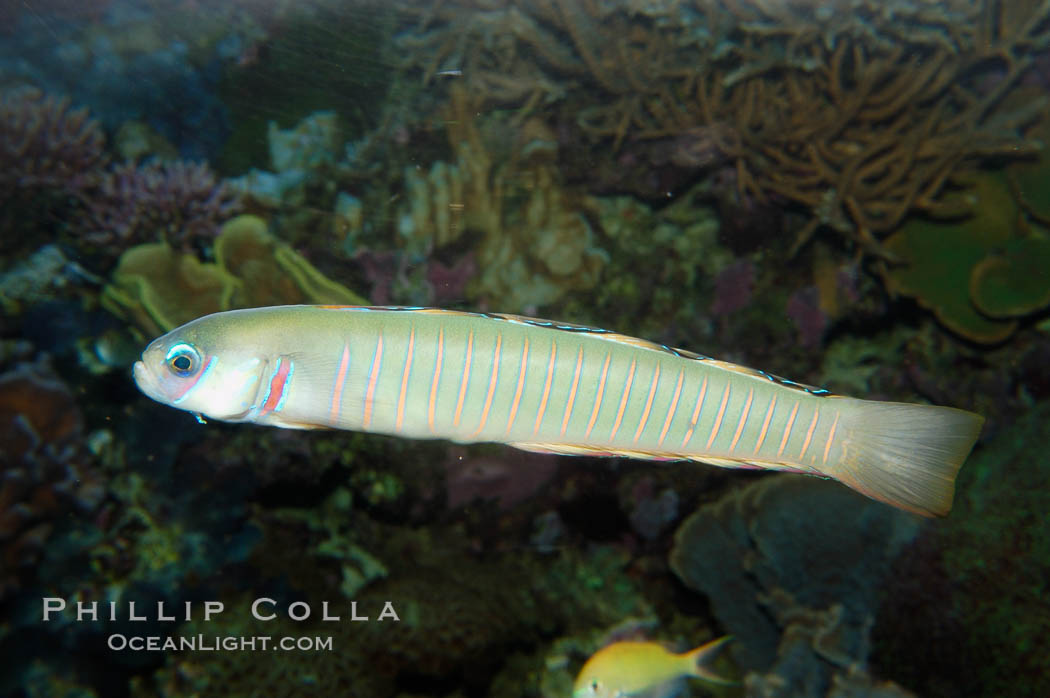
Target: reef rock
793,568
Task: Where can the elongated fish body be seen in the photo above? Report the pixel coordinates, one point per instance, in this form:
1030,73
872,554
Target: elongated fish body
545,386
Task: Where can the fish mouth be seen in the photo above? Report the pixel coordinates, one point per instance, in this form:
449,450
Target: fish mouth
145,380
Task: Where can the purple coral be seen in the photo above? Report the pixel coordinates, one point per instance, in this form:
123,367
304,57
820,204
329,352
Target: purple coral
45,145
179,202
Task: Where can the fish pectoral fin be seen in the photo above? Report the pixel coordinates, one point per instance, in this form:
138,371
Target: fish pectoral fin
581,450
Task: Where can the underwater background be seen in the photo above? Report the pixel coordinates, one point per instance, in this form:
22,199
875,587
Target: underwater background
855,195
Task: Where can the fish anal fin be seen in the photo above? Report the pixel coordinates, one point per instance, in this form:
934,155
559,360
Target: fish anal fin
565,449
752,464
287,424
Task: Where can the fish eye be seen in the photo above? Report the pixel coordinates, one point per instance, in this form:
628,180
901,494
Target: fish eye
183,360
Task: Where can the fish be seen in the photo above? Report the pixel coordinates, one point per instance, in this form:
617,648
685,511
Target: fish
631,668
548,387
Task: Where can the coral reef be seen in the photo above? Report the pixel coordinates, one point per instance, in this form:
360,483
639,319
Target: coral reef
860,116
180,203
792,566
158,288
46,145
649,166
298,156
662,265
460,620
40,277
533,243
157,63
47,472
978,275
271,272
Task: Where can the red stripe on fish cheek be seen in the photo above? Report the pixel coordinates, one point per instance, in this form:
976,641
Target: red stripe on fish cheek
277,386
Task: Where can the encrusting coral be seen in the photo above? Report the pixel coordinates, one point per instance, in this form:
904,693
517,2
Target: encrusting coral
859,114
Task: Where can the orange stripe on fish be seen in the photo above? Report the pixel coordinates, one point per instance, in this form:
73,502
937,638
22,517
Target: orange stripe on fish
743,419
373,376
337,388
787,429
464,380
546,387
572,392
623,400
831,435
696,413
718,419
598,396
404,381
522,369
765,423
672,408
435,379
809,433
492,386
648,403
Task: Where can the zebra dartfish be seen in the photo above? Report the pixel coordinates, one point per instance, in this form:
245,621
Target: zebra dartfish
548,387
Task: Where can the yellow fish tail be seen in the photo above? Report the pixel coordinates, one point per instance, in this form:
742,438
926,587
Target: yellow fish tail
902,454
696,661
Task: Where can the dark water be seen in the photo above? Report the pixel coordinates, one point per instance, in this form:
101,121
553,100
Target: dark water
855,195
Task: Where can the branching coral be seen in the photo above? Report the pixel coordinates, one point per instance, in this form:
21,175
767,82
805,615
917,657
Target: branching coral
859,113
179,202
44,144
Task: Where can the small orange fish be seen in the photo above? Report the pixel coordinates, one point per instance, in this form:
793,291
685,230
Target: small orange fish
625,669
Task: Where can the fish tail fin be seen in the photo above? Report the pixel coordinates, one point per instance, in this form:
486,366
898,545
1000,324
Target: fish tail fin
697,660
903,454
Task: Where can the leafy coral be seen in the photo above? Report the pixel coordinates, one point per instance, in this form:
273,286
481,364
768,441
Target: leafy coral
159,288
980,274
936,259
